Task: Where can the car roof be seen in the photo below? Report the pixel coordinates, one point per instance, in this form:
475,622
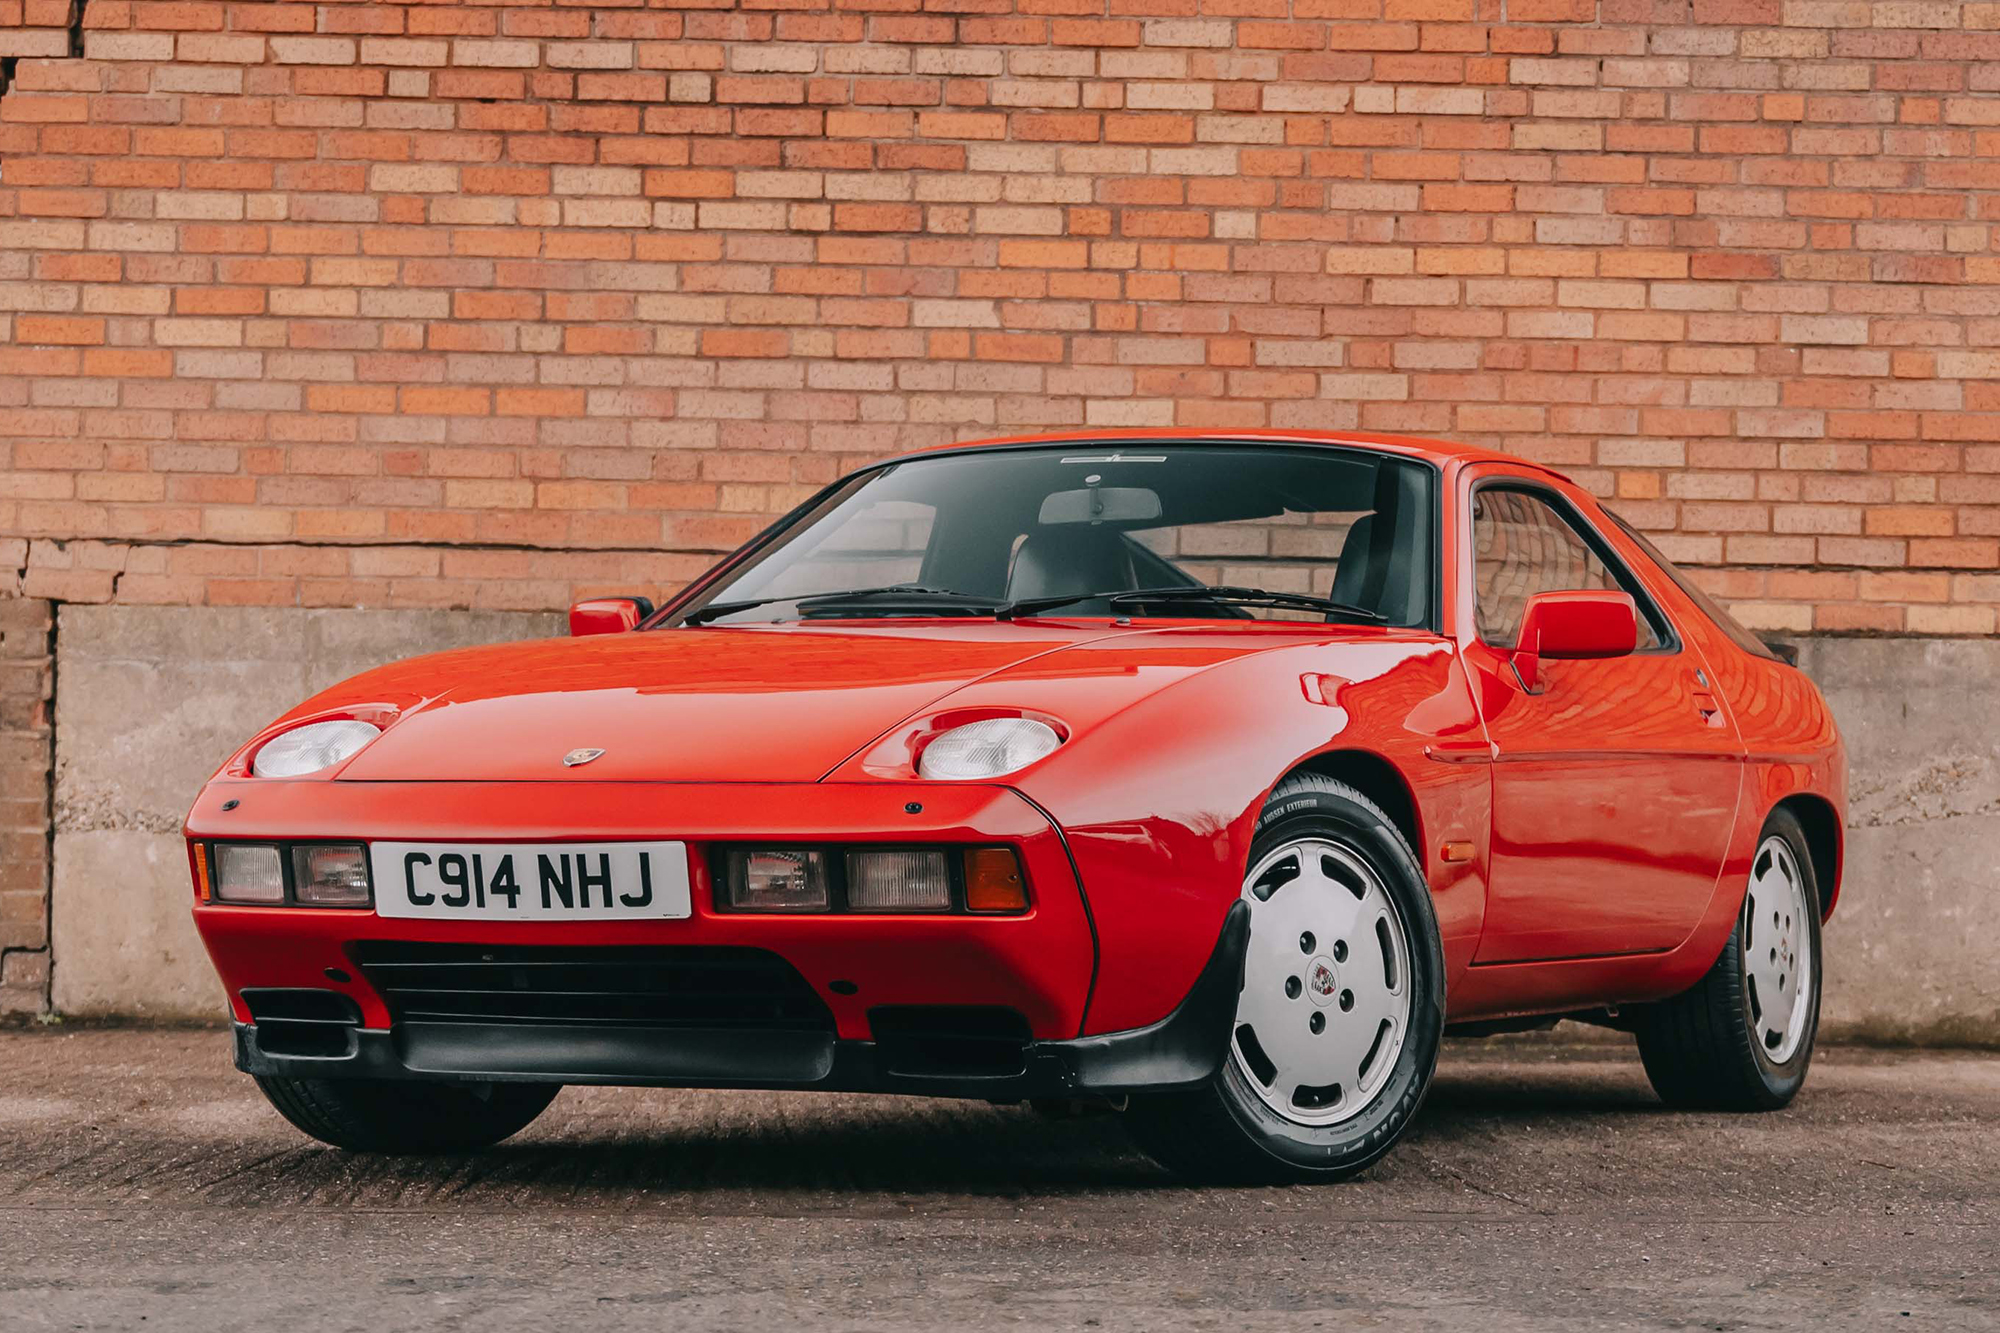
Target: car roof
1440,452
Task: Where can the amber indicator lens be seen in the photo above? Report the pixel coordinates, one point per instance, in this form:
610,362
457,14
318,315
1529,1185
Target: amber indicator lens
245,873
993,881
912,881
335,876
202,892
775,880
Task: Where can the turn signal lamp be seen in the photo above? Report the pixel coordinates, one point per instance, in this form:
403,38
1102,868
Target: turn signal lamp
993,881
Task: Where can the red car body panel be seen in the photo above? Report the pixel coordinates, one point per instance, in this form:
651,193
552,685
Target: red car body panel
1585,846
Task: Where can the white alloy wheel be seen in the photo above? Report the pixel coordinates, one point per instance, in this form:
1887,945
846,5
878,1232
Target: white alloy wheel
1777,951
1326,995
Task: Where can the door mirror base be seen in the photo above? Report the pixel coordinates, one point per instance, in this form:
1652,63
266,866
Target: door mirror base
608,615
1570,626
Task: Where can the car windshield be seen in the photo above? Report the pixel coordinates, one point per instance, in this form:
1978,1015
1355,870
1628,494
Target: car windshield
1079,528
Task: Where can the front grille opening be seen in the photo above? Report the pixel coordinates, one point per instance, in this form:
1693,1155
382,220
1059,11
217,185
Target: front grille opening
640,986
951,1041
323,1041
318,1024
305,1006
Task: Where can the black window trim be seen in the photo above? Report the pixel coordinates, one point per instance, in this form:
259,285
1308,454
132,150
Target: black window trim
1649,606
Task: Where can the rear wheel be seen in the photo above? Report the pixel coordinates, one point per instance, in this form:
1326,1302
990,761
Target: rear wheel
402,1116
1342,1006
1742,1037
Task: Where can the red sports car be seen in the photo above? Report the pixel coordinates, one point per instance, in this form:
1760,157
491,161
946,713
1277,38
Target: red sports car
1212,777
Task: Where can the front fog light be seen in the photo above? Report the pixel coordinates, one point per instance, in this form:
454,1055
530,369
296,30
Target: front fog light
898,882
774,880
335,876
248,874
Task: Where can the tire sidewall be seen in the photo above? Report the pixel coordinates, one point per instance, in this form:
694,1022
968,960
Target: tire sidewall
1343,1148
1784,1080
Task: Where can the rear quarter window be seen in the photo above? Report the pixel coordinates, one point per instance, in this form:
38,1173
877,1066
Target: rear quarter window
1707,605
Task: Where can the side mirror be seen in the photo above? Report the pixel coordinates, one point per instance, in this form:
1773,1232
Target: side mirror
1571,625
608,615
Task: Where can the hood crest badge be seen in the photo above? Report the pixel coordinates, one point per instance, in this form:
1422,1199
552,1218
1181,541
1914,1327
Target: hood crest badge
575,757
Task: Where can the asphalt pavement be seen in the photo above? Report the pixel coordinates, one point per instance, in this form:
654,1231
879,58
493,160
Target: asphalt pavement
144,1184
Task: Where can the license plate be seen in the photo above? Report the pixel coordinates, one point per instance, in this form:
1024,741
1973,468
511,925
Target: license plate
529,881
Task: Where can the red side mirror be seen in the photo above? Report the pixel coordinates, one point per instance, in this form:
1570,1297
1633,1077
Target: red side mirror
1569,625
608,615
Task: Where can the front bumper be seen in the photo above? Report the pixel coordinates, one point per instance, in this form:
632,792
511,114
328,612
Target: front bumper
863,969
1182,1050
1039,963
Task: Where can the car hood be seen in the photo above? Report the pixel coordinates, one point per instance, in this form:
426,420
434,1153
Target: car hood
764,703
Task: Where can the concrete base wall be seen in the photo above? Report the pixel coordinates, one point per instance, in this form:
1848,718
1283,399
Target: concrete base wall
1910,949
150,699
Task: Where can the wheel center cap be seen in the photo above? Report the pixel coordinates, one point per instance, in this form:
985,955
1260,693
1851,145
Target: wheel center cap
1322,982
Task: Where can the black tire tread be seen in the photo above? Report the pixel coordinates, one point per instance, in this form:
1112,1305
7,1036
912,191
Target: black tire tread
382,1116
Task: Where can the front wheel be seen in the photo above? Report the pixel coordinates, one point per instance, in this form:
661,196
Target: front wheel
1342,1007
403,1116
1742,1037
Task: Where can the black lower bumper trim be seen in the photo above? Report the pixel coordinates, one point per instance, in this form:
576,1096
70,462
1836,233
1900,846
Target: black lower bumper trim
1182,1050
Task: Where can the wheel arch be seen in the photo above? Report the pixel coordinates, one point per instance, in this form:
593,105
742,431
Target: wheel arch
1821,823
1380,781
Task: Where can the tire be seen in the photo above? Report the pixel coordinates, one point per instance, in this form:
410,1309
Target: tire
1231,1130
403,1116
1717,1046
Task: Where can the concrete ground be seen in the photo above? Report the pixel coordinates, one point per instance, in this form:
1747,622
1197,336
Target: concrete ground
145,1184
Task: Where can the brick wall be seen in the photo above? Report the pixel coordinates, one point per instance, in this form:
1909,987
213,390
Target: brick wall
25,740
456,304
36,28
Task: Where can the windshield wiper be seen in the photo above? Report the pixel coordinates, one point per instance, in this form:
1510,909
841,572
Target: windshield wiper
916,597
913,596
1192,593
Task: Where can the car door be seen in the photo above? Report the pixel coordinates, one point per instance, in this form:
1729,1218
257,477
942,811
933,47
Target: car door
1615,781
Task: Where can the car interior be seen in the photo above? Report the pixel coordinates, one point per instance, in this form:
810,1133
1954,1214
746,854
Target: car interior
1381,567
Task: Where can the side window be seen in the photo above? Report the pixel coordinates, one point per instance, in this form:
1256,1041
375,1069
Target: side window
1522,545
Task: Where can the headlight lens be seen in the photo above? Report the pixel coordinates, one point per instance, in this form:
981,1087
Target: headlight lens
334,875
310,748
987,749
775,880
248,873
